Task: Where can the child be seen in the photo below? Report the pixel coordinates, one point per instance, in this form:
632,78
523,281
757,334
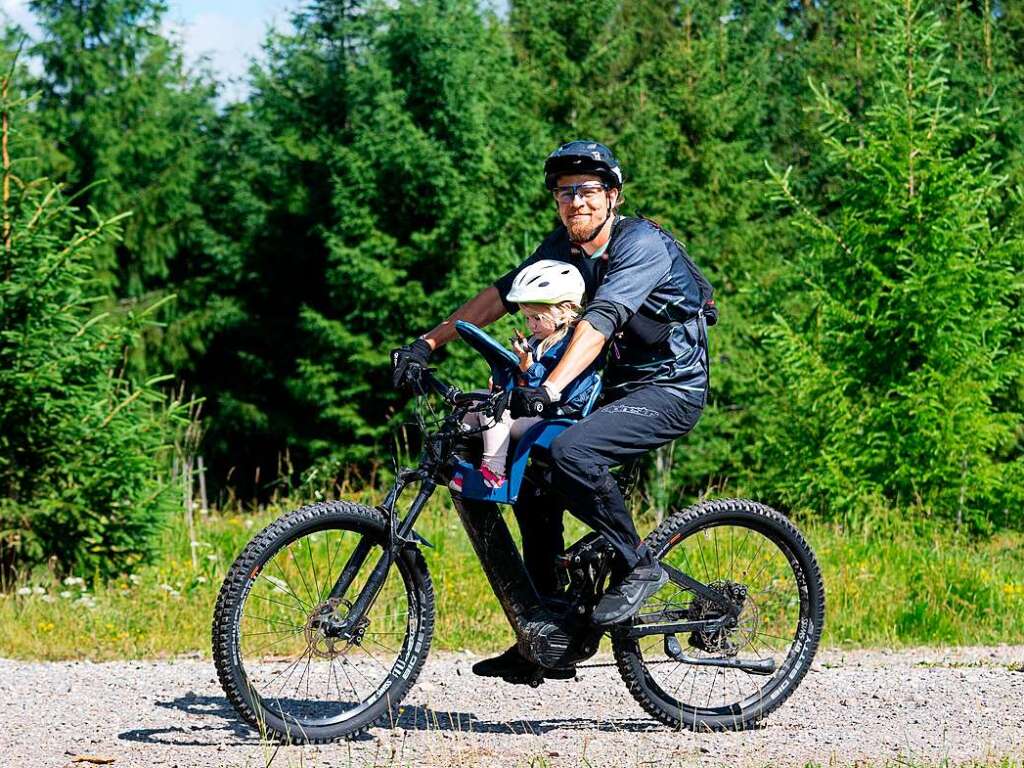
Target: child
550,295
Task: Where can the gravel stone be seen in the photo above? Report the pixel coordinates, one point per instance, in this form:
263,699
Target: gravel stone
924,705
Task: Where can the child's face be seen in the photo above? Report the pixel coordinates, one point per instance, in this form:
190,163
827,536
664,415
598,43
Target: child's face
540,322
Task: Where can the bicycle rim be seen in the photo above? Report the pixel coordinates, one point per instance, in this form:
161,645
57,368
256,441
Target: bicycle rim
293,670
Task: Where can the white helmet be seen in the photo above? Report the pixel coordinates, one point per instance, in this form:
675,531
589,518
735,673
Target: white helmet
548,282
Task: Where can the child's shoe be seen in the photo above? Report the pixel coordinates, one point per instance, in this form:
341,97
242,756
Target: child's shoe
456,482
491,479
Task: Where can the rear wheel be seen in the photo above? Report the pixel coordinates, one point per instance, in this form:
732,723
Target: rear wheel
743,664
288,657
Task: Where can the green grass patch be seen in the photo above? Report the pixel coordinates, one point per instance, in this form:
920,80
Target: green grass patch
893,587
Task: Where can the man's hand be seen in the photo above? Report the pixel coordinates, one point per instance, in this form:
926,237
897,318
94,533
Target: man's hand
530,401
408,363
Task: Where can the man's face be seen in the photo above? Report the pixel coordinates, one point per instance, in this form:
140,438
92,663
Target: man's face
584,212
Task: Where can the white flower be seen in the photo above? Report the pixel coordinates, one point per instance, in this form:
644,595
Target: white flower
65,594
38,591
249,523
166,587
214,556
25,591
133,578
73,581
200,579
174,593
48,598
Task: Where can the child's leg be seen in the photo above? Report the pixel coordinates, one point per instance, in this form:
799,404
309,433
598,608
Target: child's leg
471,420
496,442
496,439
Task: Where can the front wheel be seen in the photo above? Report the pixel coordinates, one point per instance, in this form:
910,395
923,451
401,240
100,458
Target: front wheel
740,663
289,657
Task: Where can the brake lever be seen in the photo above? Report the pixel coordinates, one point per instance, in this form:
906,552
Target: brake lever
500,404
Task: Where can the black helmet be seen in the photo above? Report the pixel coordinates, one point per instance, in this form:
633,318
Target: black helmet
583,157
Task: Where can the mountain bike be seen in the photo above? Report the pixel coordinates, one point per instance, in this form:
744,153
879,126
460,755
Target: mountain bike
325,619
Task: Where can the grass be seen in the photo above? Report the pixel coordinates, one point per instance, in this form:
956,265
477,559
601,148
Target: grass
891,587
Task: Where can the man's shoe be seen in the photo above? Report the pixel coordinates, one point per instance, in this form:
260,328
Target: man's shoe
513,668
622,601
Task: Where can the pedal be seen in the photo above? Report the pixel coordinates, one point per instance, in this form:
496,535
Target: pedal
534,679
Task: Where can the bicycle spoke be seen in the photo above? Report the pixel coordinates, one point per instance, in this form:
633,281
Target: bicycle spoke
287,586
269,632
310,674
275,602
312,563
302,575
728,555
277,621
276,642
291,671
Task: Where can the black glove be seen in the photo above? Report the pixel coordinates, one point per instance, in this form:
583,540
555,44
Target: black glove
408,362
530,401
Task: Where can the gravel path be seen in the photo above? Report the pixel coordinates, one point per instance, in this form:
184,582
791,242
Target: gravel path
924,705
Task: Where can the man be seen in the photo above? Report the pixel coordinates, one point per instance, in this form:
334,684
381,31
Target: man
646,305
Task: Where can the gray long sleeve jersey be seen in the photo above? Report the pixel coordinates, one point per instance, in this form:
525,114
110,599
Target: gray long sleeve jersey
644,298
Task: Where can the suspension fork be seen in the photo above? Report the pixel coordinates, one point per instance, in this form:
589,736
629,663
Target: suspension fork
398,536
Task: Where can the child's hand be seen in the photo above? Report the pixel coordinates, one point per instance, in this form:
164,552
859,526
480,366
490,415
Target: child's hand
523,350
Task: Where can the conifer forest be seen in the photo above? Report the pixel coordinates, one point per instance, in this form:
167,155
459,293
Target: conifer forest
186,276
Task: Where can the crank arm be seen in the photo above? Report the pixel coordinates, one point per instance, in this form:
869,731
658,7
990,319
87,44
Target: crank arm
751,666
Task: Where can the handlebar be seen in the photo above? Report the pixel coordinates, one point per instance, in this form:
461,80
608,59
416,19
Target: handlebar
494,403
447,392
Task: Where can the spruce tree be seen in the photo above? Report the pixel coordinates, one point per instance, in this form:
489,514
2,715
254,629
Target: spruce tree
889,379
82,448
127,113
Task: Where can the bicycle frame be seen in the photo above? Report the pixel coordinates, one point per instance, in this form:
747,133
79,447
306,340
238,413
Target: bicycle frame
547,631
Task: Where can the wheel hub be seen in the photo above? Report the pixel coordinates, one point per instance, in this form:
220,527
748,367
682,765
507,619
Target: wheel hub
329,634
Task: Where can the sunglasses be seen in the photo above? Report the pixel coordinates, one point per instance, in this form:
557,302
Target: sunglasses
588,191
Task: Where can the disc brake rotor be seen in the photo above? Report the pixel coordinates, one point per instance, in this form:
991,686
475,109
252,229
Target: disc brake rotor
321,631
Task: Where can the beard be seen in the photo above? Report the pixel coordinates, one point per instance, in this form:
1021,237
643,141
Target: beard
582,228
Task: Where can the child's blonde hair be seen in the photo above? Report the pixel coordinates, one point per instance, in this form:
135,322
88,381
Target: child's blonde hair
565,315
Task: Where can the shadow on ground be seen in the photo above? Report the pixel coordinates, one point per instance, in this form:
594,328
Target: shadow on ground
224,727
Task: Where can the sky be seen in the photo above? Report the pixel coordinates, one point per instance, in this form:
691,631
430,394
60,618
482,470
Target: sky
229,32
